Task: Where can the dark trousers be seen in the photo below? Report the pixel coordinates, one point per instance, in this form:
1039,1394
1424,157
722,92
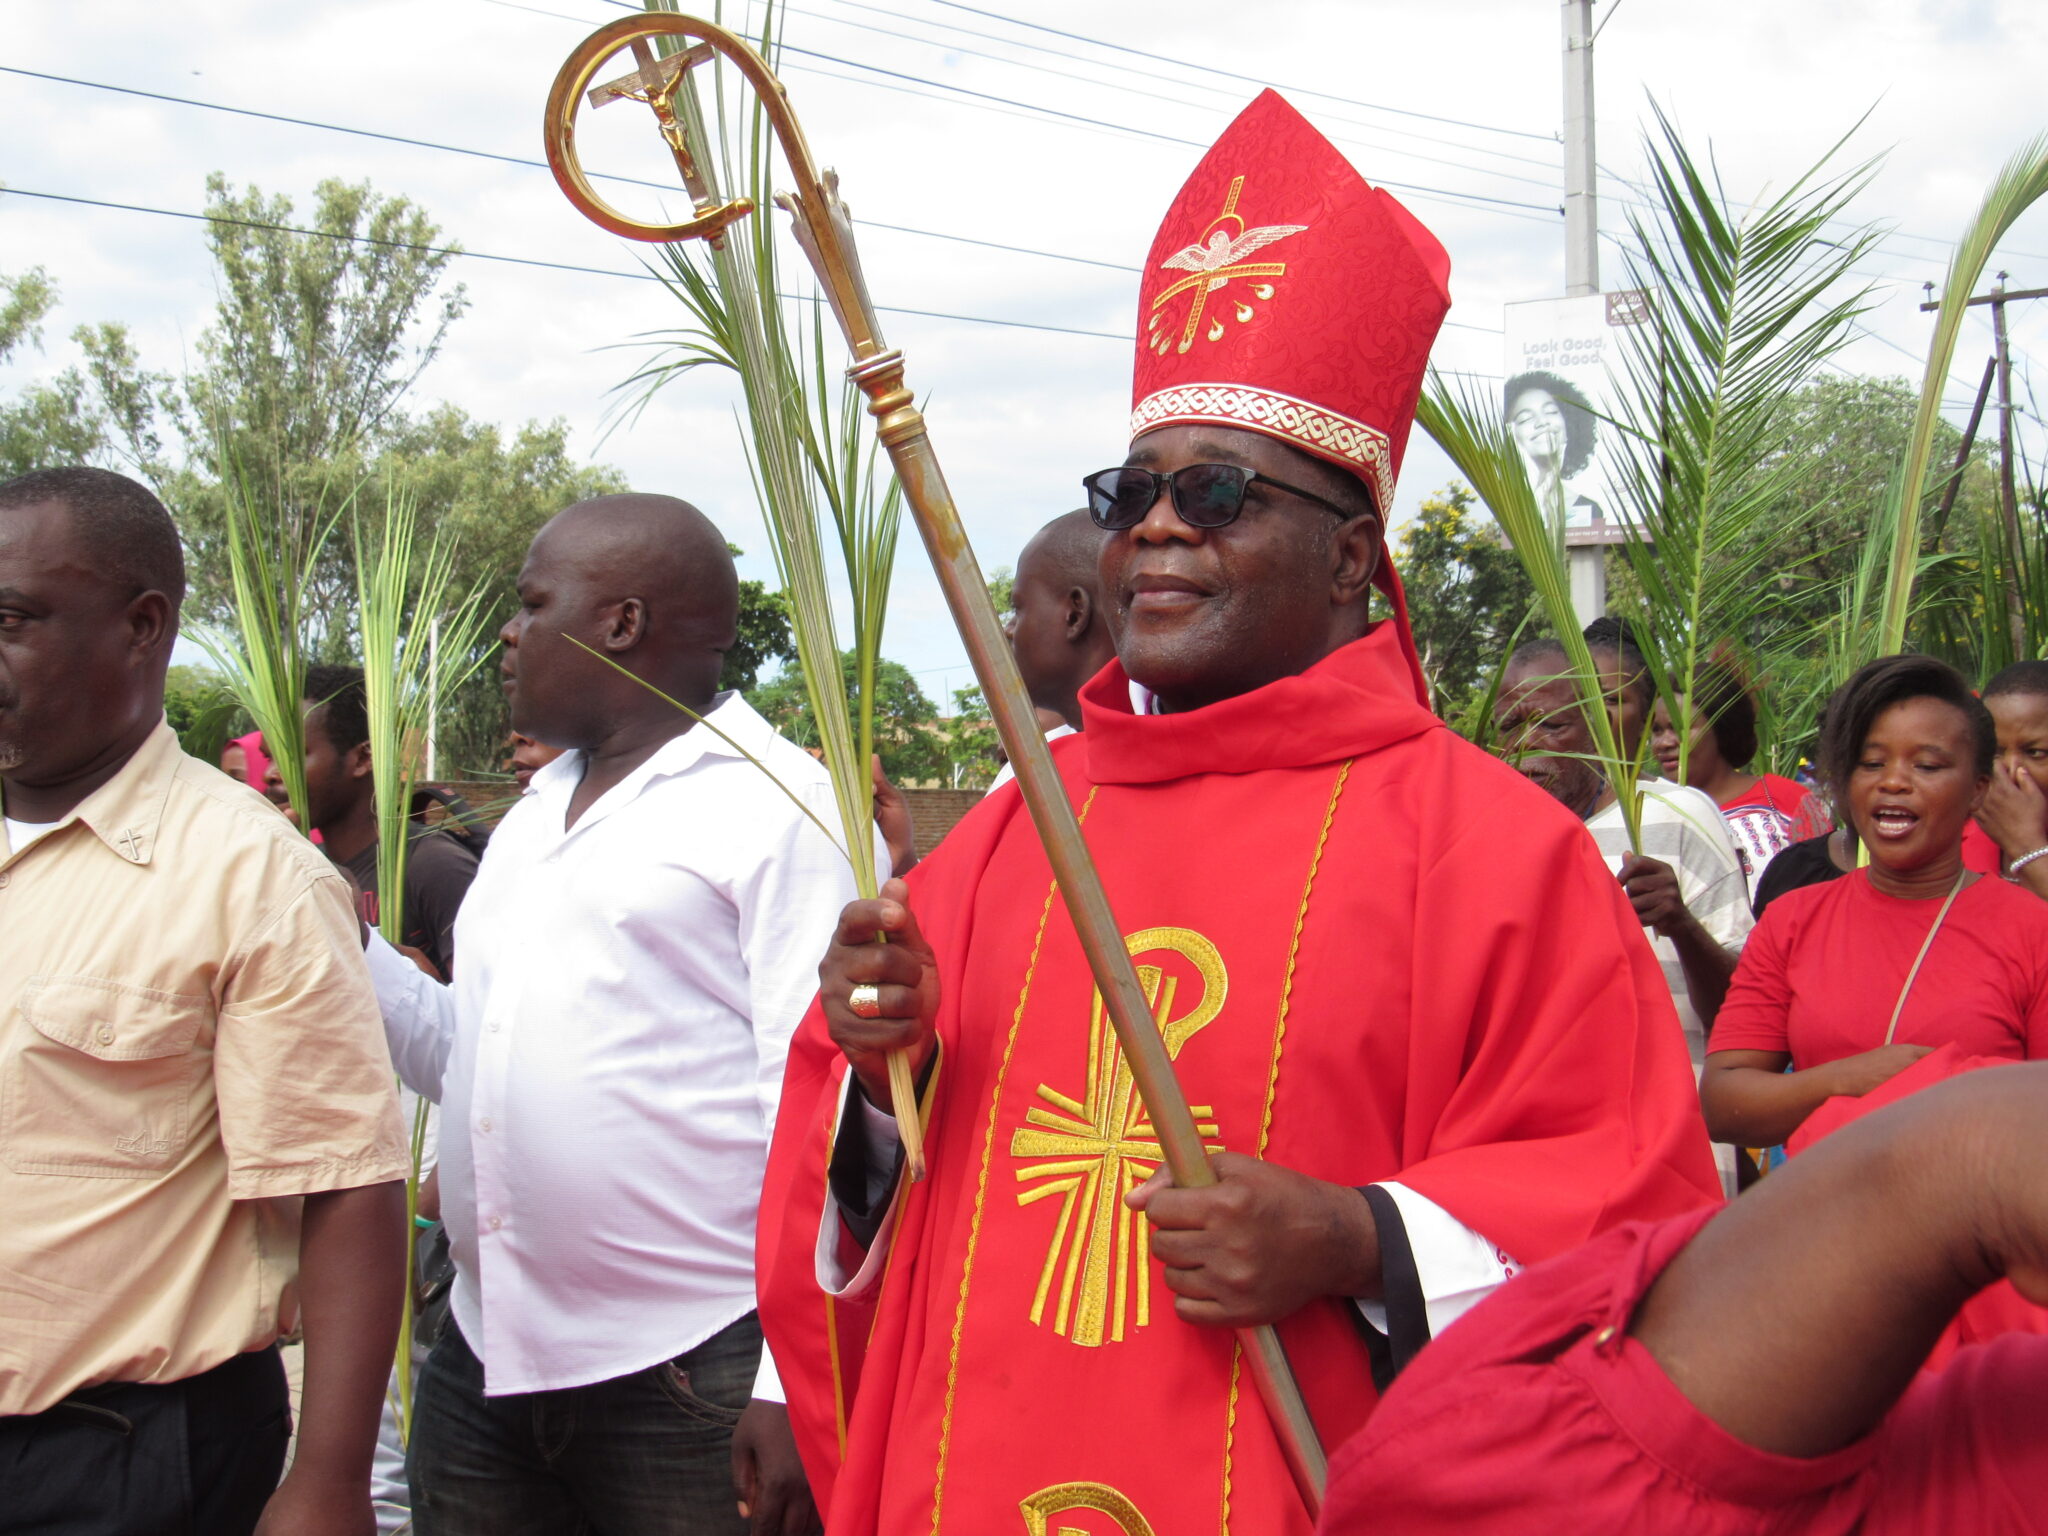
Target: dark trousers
198,1457
648,1454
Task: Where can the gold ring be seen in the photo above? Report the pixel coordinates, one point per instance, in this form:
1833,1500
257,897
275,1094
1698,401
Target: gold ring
865,1000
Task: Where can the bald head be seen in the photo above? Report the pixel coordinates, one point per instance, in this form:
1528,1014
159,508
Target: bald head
644,582
656,548
1063,553
1056,626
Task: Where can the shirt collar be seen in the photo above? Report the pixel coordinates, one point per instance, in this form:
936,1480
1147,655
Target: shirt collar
729,728
126,811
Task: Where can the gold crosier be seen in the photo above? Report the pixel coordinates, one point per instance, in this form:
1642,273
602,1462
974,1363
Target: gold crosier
825,232
1091,1151
1068,1498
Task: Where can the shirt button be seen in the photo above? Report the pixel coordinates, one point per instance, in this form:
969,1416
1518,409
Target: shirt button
106,1035
497,1222
484,1125
494,1026
4,878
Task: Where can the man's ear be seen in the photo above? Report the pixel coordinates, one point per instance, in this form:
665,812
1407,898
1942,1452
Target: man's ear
1357,550
627,626
1080,614
357,763
152,625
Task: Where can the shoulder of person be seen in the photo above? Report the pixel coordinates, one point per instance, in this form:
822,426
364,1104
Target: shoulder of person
228,814
2015,906
440,850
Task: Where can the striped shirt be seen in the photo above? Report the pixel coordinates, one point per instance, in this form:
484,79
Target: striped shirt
1683,828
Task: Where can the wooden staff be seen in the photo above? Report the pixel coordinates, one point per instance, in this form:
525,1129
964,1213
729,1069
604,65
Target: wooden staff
825,232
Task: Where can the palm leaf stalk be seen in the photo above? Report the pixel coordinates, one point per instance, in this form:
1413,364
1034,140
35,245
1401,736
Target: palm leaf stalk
806,443
2016,188
271,566
1748,305
400,592
1471,433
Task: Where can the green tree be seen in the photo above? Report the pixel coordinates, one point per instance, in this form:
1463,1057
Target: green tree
909,736
1467,595
48,423
973,750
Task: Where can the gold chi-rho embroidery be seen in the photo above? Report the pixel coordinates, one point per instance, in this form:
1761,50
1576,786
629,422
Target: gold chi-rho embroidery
1092,1151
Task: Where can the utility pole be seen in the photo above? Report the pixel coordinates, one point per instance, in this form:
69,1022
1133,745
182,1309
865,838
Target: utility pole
2008,498
2008,502
1588,563
1581,199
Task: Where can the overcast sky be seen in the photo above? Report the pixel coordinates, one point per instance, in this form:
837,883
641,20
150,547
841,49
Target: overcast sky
1061,127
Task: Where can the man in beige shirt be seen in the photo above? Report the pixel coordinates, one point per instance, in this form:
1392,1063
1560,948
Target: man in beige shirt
199,1137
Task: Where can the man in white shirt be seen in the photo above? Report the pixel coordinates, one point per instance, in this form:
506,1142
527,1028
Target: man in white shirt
637,948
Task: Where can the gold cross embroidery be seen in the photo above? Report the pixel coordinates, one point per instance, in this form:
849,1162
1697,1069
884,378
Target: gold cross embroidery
1092,1151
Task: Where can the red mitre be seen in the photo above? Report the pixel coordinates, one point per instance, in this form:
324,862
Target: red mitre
1286,295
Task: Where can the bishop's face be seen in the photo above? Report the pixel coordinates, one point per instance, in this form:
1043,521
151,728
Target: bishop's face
1202,614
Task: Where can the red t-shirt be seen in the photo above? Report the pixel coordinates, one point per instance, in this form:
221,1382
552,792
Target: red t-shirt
1768,817
1822,971
1981,851
1539,1411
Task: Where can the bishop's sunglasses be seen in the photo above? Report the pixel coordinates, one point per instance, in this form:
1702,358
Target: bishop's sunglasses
1205,495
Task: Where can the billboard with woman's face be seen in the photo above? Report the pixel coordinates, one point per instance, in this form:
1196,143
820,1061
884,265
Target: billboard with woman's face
1564,374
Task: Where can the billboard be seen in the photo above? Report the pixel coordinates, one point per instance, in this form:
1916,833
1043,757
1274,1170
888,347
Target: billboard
1565,371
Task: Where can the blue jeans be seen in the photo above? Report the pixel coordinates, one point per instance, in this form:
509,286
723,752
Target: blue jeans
643,1455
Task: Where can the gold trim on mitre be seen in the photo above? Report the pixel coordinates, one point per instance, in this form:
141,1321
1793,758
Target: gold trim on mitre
1321,432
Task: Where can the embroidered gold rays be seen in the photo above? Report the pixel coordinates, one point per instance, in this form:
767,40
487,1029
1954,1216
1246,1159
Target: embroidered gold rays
1215,261
1089,1152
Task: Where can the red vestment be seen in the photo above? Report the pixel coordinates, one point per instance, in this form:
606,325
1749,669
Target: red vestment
1375,952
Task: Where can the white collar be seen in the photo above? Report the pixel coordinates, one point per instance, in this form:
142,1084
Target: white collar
729,713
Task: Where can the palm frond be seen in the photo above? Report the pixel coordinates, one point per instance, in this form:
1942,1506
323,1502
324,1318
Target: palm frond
1469,430
2016,188
810,454
271,566
1747,306
421,641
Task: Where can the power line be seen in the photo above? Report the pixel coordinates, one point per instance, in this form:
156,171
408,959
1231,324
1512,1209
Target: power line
1420,189
1127,89
1295,90
520,261
485,154
1232,93
559,266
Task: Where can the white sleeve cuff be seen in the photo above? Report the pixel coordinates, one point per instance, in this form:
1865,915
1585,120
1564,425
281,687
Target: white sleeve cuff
767,1382
1458,1267
879,1129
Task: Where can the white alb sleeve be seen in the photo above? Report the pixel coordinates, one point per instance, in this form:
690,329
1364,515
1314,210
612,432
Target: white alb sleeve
1458,1267
878,1129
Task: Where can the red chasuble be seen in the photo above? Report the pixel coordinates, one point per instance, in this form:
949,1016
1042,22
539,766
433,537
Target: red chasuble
1374,952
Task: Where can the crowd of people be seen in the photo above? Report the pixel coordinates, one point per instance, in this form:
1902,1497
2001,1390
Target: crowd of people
1482,1045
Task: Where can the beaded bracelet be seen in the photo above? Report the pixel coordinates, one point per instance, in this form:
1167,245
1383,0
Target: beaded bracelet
2023,861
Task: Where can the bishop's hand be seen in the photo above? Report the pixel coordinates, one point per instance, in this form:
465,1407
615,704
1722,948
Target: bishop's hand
903,975
1259,1244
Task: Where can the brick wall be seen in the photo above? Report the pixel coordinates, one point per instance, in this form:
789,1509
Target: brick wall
935,812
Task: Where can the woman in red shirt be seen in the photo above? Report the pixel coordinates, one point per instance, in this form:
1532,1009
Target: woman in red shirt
1766,812
1851,981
